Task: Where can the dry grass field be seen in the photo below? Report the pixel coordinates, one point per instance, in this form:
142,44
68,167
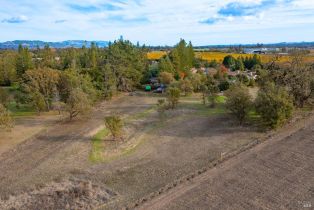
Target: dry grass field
59,168
277,174
25,127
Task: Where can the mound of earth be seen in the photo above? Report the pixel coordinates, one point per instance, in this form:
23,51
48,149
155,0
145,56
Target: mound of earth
70,194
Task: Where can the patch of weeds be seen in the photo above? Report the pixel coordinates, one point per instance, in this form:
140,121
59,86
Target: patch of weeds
98,146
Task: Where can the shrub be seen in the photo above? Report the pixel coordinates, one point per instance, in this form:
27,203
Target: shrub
186,87
274,105
114,124
6,120
38,102
251,83
224,85
166,78
4,97
239,102
173,96
161,107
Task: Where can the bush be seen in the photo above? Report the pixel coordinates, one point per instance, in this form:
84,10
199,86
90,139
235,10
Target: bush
38,102
6,120
186,87
251,83
173,96
243,79
224,85
4,97
166,78
274,105
114,124
161,107
239,102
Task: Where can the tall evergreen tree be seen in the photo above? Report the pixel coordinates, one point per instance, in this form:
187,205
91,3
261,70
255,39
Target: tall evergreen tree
127,63
165,65
23,61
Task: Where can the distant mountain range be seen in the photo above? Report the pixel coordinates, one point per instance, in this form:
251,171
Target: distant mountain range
269,45
37,43
32,44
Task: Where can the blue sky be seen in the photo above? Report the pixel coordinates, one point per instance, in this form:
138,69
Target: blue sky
159,22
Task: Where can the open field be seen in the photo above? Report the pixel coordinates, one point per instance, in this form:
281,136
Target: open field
187,139
24,128
218,56
63,168
277,174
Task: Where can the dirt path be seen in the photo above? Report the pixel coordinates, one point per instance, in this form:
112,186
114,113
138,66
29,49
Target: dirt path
277,174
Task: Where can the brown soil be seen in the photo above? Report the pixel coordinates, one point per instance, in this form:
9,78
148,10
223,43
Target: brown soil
70,194
277,174
24,128
167,150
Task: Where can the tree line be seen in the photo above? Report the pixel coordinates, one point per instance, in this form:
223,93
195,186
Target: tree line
70,79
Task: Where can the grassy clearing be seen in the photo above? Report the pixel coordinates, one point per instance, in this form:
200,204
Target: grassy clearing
139,141
194,103
23,111
98,146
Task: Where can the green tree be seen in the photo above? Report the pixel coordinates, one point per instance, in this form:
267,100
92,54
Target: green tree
274,105
7,68
165,65
110,82
239,102
77,103
166,78
239,65
173,96
183,57
69,59
209,89
47,57
93,55
127,63
299,78
229,62
196,81
115,125
70,79
23,60
43,81
38,102
186,87
4,97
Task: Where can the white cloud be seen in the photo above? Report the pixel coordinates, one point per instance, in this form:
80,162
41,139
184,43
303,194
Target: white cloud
157,22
